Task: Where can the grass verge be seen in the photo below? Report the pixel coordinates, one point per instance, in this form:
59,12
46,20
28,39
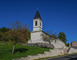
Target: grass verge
20,51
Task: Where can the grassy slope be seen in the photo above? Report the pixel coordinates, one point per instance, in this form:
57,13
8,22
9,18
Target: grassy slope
20,51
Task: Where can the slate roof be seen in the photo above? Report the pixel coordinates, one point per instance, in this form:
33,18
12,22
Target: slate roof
37,15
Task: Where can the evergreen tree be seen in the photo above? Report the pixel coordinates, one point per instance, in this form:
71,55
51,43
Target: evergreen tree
62,37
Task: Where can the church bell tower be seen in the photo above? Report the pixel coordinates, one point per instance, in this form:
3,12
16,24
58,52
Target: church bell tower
37,29
37,22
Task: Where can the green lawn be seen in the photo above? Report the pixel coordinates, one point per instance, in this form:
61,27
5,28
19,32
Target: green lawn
20,51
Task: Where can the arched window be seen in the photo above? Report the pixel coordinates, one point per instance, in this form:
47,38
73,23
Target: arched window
35,23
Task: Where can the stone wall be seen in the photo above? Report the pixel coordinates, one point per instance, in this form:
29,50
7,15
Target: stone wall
58,43
51,53
72,50
44,45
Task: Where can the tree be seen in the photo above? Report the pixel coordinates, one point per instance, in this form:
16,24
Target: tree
1,36
3,29
62,37
6,36
19,34
46,38
49,36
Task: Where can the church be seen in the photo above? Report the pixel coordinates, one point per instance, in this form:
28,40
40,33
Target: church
36,34
37,29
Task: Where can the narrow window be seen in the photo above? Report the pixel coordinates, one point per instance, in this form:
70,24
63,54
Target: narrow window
35,23
40,23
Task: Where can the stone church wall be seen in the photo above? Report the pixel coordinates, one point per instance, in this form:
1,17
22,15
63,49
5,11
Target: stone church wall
36,37
58,43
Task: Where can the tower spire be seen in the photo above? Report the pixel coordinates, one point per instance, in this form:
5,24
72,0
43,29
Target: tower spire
37,15
37,22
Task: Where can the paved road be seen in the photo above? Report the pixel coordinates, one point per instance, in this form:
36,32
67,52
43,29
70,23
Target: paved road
69,57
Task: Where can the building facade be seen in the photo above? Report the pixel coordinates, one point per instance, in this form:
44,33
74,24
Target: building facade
37,29
36,34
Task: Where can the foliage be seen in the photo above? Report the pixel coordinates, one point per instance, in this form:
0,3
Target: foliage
6,36
1,36
67,44
4,32
20,51
49,37
46,37
54,35
62,37
3,29
18,34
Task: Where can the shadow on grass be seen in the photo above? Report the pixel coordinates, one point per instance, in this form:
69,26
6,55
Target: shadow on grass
21,50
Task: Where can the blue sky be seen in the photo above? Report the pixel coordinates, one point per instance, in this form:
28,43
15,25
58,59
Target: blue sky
57,15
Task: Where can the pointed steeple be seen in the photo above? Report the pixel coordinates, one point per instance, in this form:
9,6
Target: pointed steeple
37,15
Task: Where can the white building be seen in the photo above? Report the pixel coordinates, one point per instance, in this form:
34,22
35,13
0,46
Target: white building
36,34
37,29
